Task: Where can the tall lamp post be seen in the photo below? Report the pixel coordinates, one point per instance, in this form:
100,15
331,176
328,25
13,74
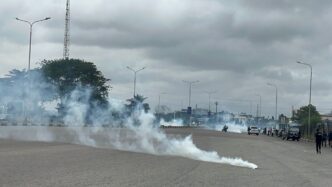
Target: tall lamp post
31,24
276,112
259,112
135,72
309,110
260,105
190,83
29,60
162,93
209,93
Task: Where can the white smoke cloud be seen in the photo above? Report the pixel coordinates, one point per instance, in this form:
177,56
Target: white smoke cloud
173,123
226,119
137,132
232,127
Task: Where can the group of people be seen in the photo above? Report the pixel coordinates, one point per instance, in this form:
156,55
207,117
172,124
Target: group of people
321,139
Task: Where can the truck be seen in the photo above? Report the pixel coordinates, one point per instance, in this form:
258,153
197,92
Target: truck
292,132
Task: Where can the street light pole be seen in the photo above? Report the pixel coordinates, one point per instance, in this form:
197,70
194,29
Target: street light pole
190,83
135,72
31,24
309,110
209,93
159,101
260,104
276,113
259,109
250,107
29,57
189,107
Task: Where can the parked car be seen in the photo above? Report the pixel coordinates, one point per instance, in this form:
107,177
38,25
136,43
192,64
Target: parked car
253,130
292,133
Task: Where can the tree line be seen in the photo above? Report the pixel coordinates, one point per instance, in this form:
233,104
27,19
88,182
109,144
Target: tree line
61,77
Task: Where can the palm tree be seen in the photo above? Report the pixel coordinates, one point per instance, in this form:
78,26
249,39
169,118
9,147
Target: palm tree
137,103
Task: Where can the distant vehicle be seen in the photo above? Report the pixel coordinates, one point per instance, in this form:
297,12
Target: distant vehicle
253,130
292,133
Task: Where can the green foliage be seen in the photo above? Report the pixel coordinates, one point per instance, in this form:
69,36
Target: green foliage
69,74
137,103
302,116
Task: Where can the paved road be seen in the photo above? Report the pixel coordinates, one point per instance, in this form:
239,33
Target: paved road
281,163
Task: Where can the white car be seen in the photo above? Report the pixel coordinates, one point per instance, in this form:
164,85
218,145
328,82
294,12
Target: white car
253,130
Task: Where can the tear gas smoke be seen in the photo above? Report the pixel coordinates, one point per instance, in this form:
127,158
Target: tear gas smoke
233,127
138,131
173,123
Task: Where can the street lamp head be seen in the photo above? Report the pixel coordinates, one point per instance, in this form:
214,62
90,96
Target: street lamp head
273,85
306,64
131,69
47,18
17,19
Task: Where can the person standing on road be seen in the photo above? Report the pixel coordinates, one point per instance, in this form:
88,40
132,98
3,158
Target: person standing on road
330,138
318,137
324,138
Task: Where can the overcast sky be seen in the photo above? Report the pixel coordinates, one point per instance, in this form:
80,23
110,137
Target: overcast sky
232,47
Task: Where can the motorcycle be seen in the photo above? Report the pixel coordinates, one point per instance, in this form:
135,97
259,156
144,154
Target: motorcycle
224,129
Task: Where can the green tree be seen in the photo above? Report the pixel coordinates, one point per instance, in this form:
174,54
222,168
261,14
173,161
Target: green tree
302,115
137,103
69,74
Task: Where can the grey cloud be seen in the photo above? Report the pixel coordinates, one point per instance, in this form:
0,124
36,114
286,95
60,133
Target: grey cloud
234,47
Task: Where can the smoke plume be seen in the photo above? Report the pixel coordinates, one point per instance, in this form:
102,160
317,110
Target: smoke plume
107,127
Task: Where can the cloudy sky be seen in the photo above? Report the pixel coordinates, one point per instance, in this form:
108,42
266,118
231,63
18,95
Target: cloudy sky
232,47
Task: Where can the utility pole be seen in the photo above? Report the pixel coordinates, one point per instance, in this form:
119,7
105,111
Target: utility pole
276,112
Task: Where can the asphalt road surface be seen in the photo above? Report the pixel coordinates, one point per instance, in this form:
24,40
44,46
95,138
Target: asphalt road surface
281,163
